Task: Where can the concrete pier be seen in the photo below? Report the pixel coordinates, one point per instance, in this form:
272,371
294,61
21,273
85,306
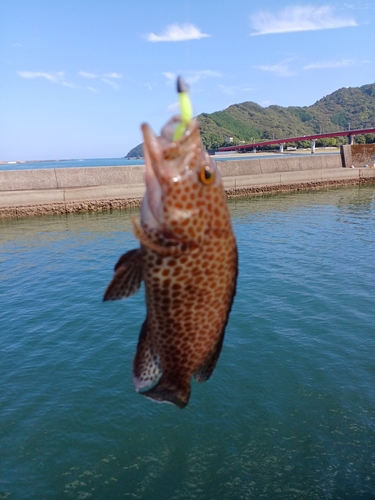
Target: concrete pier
64,190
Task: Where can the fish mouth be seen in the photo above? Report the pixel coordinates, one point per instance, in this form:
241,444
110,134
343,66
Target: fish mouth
166,162
167,158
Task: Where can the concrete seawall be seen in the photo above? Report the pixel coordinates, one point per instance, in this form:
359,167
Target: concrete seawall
33,192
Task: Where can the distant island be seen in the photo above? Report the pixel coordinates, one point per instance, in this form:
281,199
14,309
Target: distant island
344,109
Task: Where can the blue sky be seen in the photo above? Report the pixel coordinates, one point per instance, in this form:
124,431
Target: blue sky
78,77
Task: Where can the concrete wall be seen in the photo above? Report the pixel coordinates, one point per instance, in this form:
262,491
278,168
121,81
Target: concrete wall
270,165
71,189
357,155
72,178
68,178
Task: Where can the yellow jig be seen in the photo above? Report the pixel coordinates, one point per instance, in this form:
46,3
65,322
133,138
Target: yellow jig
186,108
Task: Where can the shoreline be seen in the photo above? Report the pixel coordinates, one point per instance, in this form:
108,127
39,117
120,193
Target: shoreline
88,189
231,155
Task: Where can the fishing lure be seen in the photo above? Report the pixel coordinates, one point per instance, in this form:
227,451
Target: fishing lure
185,106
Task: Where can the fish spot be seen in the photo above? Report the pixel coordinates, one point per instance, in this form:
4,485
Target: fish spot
191,231
177,270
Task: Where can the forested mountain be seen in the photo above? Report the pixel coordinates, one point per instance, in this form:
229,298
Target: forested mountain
352,107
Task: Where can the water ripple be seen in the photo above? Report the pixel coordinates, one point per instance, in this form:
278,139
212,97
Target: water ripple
289,412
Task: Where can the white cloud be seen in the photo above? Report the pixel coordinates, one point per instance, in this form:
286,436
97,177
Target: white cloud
360,6
174,108
59,78
110,83
69,84
279,69
344,63
177,33
298,18
51,77
85,74
113,75
191,77
230,90
227,90
195,76
171,77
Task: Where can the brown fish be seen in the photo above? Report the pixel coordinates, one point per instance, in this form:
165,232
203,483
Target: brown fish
188,262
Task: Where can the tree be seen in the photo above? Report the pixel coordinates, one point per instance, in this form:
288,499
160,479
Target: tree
360,139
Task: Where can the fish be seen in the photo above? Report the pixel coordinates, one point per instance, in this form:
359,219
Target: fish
188,262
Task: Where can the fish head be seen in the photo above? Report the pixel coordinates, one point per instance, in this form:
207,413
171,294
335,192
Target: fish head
181,183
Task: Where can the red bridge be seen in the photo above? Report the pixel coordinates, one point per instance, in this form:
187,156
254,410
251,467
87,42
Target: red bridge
348,133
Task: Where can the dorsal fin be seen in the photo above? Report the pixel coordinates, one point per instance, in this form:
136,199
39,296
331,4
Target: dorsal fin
128,276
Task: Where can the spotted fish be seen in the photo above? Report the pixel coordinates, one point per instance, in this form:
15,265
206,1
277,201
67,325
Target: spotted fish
187,260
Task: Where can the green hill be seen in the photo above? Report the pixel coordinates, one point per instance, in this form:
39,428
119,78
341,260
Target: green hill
137,151
352,107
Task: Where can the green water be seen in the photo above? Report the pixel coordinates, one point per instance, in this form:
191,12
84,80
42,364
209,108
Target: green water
290,410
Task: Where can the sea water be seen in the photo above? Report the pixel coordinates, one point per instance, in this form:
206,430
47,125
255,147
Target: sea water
289,412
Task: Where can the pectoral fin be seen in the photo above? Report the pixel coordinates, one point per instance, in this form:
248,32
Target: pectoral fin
128,276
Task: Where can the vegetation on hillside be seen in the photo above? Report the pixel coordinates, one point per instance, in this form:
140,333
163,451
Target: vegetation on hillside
346,108
137,151
248,122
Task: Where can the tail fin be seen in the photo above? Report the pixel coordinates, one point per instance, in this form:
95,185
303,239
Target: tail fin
170,390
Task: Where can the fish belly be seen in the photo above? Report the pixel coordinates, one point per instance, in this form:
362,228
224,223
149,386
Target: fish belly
188,302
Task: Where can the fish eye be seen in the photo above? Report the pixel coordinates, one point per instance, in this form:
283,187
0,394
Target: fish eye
207,175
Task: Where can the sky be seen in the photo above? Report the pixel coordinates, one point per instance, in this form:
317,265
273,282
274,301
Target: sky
79,77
